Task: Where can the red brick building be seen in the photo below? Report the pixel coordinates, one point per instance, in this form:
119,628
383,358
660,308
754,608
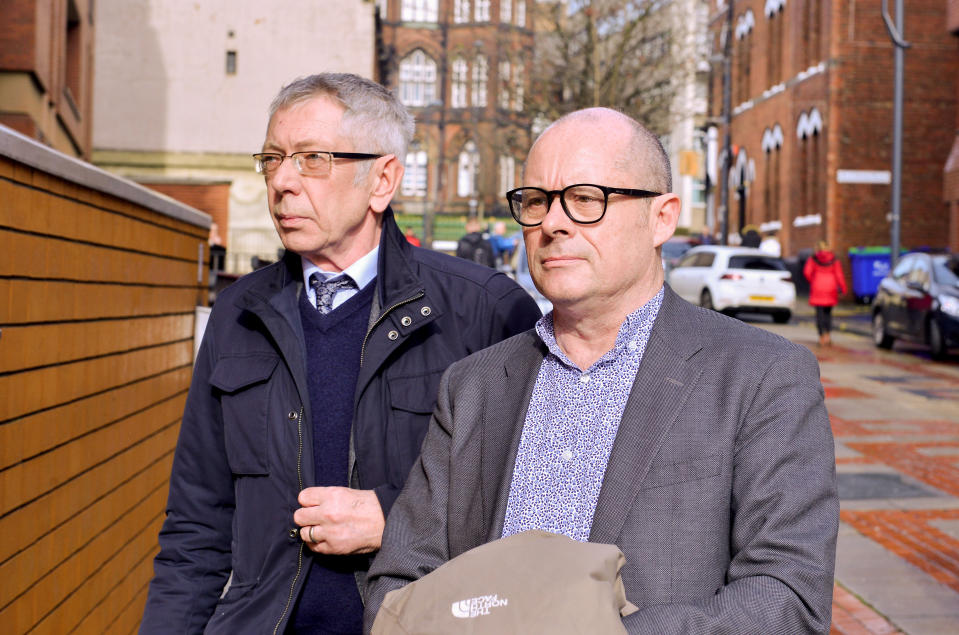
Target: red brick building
462,67
812,118
951,169
46,71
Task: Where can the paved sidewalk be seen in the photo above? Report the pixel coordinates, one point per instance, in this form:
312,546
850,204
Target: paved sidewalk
895,417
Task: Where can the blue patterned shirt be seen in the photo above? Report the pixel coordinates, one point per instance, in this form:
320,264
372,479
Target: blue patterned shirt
570,427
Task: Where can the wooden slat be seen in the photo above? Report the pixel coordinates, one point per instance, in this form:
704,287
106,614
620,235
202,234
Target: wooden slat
20,529
31,479
76,220
122,609
87,575
30,301
56,545
19,439
46,258
31,391
45,344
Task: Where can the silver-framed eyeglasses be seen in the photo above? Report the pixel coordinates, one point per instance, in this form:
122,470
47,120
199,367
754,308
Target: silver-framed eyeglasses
584,203
308,163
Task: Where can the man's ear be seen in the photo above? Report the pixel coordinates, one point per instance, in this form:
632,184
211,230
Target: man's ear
387,172
664,215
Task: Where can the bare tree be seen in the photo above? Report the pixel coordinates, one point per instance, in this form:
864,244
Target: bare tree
615,53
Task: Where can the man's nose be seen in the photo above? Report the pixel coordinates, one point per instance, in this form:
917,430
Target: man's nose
286,177
556,218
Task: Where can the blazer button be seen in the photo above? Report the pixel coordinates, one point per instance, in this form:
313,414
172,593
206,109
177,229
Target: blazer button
392,335
406,321
425,311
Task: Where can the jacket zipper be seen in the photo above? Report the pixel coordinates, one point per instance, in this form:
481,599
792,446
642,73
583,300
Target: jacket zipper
380,319
299,555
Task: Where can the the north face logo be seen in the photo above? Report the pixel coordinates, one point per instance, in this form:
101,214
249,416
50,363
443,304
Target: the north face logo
474,607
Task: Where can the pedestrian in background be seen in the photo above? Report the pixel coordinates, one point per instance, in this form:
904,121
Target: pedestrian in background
475,246
826,282
315,380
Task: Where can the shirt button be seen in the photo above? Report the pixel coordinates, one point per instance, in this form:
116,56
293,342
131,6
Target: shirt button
584,378
632,345
566,455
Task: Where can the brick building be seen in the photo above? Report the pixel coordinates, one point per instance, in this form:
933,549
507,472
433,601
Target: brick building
951,168
46,71
812,116
461,66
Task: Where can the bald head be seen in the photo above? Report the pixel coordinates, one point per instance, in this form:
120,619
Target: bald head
636,150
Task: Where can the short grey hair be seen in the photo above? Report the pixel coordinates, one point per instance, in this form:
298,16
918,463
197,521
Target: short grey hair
644,149
374,119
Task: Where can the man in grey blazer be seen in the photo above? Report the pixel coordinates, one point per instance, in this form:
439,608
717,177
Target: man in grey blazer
697,444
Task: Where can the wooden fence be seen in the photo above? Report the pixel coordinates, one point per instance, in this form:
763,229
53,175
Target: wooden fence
99,280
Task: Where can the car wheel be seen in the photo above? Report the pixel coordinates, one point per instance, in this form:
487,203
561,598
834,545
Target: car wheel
937,343
879,336
781,317
706,300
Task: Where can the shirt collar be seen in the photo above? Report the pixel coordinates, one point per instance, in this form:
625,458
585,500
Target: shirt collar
362,271
632,327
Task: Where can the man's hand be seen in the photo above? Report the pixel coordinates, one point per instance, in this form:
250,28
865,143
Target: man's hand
340,520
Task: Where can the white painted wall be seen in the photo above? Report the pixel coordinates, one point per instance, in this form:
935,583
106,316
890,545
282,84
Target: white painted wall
160,71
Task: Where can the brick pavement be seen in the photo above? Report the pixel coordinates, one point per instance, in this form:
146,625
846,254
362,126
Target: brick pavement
895,417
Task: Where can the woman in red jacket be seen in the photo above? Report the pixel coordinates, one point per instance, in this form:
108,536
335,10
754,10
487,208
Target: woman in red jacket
826,282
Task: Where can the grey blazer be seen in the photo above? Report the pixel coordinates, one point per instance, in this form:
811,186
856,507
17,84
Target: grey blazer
720,488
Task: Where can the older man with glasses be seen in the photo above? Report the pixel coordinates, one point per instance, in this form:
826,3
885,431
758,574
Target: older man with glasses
315,380
697,444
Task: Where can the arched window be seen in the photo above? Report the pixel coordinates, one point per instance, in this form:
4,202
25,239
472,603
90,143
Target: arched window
417,79
504,84
467,170
461,11
458,80
480,75
518,86
506,11
521,13
775,10
414,178
419,10
482,10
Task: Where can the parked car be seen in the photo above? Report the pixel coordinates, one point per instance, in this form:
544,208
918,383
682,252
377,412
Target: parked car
674,249
734,280
919,301
521,275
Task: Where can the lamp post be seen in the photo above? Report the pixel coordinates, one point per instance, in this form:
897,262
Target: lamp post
727,123
895,34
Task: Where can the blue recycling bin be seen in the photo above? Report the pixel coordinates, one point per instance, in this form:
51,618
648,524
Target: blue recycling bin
869,266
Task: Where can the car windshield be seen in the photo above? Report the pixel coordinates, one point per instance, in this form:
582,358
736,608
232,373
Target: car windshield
763,263
946,270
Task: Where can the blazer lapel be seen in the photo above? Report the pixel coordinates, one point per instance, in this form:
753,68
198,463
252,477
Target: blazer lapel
503,426
664,381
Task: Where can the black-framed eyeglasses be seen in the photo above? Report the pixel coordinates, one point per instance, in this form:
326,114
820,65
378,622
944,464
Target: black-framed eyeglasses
584,203
308,163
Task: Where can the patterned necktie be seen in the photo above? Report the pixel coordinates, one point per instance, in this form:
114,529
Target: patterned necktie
326,289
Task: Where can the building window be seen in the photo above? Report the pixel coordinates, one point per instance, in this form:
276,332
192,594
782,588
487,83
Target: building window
504,84
419,11
74,55
507,173
417,79
505,11
812,192
414,179
518,87
744,30
458,81
467,170
461,11
772,144
482,10
812,18
231,62
521,13
774,50
480,76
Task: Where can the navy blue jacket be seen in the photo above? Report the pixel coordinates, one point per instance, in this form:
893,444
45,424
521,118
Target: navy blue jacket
245,444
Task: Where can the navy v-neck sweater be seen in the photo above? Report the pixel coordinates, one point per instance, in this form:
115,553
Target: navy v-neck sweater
330,602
